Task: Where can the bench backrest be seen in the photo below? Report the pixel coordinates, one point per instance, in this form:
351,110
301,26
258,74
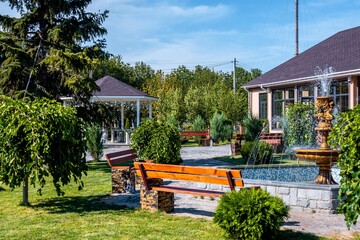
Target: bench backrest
271,136
232,178
120,157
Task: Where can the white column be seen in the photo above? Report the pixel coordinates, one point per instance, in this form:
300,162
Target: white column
150,109
122,115
138,112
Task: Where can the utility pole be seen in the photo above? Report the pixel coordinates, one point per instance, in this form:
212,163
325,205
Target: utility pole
296,27
234,76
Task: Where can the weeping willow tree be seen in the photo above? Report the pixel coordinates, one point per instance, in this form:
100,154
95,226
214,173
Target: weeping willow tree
55,44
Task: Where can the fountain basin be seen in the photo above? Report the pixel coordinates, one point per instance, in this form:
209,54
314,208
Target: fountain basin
324,159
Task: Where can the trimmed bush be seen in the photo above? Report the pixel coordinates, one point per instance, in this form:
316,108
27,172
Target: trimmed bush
250,214
257,152
158,141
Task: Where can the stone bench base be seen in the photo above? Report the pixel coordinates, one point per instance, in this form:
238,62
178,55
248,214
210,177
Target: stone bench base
155,200
123,180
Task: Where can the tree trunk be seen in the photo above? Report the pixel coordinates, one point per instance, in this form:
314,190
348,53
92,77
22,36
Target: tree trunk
25,199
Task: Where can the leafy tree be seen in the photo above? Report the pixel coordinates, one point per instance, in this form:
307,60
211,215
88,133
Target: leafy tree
346,135
40,138
56,42
115,67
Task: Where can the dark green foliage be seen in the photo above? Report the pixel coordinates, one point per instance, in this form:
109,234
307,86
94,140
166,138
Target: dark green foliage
220,127
253,127
39,139
299,125
94,142
158,141
250,214
56,40
257,152
346,135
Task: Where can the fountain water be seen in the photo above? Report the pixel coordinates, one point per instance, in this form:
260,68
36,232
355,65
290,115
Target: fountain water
324,157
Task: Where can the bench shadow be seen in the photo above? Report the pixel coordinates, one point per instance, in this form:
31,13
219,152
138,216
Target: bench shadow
78,204
291,223
192,211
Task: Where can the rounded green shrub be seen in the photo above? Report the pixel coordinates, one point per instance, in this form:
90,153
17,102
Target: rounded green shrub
158,141
250,214
257,152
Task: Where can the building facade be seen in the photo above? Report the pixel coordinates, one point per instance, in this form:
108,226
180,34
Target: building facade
335,60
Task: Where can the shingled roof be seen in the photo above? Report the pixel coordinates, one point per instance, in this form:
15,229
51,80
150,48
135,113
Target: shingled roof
340,51
110,86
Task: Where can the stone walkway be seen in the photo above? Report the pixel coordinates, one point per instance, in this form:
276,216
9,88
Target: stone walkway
331,225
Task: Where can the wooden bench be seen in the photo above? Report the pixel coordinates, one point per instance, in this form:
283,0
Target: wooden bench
154,195
123,178
202,135
274,139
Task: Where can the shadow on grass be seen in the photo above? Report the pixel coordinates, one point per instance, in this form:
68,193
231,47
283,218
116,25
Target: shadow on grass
292,235
78,204
99,166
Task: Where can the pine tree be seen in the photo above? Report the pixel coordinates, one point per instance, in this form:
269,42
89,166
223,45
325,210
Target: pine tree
56,42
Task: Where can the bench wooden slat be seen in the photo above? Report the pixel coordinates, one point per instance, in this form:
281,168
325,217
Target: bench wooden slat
192,177
120,157
182,190
189,169
120,153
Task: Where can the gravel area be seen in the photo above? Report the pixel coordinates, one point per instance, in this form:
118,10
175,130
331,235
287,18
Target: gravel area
330,225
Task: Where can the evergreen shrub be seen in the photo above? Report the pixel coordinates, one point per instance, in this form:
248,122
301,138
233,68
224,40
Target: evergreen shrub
94,142
220,127
253,127
250,214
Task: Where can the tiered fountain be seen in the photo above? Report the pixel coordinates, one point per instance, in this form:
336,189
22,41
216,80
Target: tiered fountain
324,157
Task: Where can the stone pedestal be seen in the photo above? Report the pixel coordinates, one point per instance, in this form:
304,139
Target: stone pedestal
123,180
156,200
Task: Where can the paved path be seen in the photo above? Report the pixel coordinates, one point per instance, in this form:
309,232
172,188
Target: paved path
332,225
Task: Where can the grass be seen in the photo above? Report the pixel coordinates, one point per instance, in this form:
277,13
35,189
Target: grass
80,215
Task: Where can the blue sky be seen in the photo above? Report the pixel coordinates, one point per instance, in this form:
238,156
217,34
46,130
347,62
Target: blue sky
258,33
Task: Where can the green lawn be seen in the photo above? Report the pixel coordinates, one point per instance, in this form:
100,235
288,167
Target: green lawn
79,215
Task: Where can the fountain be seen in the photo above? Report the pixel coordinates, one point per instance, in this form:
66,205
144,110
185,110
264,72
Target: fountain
324,157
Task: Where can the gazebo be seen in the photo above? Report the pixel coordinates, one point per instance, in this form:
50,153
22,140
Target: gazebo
114,91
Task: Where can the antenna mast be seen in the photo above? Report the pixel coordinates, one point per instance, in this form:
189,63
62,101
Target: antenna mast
296,27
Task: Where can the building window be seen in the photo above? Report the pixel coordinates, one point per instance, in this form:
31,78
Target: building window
263,105
281,99
339,91
306,93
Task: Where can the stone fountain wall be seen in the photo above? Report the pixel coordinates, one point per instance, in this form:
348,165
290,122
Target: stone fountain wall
300,196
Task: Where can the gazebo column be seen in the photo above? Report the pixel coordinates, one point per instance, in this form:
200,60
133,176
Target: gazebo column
150,109
113,133
138,112
122,115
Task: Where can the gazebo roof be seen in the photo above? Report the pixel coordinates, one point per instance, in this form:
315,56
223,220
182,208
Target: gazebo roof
114,90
